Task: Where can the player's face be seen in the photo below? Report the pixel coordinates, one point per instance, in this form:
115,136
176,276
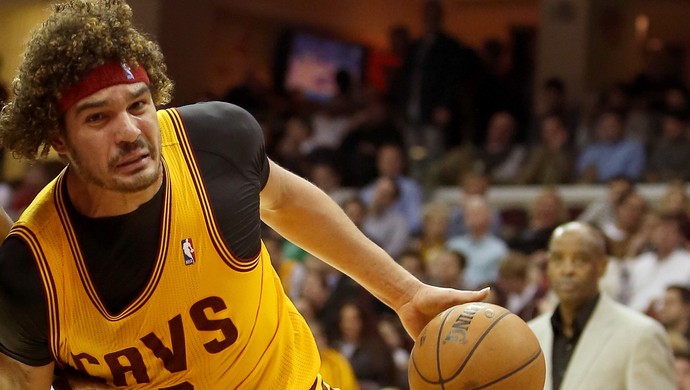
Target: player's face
574,267
112,139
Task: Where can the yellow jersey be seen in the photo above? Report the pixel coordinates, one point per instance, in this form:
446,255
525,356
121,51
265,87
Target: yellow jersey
204,319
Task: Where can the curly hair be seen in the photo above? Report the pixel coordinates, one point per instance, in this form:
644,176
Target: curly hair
77,37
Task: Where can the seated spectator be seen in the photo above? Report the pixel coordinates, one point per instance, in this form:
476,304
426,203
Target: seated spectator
546,213
642,240
471,184
358,339
413,261
432,238
326,289
681,358
552,101
390,163
483,250
335,368
674,313
292,147
676,98
629,211
602,211
675,201
290,272
384,223
446,269
324,176
551,162
517,281
653,272
496,294
641,123
616,280
500,157
613,154
669,158
314,293
539,264
399,343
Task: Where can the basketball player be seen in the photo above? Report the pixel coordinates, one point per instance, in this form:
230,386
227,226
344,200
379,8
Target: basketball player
141,264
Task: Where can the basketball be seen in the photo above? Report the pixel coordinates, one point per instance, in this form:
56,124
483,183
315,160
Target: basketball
477,346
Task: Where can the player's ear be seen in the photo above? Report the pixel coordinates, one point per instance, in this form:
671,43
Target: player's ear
58,143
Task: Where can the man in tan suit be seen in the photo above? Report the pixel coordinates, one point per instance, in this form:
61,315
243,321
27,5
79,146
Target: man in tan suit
591,342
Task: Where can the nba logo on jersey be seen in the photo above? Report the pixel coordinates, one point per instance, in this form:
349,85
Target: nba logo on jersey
128,71
188,251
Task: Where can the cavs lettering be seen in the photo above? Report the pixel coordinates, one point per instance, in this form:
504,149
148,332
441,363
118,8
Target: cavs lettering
130,360
216,342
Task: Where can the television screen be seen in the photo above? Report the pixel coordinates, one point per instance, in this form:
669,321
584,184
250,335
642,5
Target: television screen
314,60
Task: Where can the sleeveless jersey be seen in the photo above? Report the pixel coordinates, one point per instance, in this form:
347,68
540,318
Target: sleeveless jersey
204,320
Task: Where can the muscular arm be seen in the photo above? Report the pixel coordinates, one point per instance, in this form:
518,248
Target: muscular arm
20,376
299,211
308,217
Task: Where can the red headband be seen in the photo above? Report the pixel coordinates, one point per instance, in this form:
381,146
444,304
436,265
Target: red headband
104,76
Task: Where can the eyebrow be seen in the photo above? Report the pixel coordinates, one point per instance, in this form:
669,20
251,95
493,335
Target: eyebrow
99,103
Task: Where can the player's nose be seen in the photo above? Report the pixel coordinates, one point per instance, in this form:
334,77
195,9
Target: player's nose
127,128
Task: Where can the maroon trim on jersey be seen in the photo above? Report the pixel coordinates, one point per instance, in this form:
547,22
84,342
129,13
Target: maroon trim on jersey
87,283
233,261
324,385
49,290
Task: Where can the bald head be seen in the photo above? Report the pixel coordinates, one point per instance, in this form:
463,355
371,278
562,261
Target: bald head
591,236
576,261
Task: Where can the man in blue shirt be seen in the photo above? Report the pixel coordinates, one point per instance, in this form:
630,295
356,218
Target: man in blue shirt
613,155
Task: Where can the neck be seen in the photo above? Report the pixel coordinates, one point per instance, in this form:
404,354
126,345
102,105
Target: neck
568,313
93,201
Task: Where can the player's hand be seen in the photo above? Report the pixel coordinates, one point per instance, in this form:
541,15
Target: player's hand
428,301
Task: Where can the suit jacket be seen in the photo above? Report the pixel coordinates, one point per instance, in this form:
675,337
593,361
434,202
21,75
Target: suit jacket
619,349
